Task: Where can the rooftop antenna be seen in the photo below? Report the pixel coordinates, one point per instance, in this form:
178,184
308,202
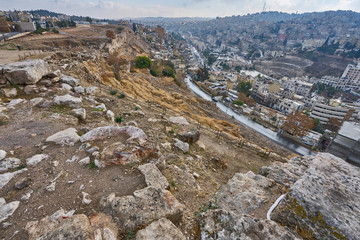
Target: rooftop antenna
264,7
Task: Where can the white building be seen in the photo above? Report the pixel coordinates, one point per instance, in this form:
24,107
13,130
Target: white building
330,81
324,112
350,78
299,87
288,106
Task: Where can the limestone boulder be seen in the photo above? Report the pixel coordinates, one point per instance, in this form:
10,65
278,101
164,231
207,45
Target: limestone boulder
68,100
24,72
73,82
66,137
61,225
100,133
163,229
324,200
226,225
144,207
7,209
178,120
80,113
36,159
9,163
6,177
246,193
189,137
153,176
9,92
184,147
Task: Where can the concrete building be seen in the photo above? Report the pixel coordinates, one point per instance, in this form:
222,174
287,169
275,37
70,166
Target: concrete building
350,78
299,87
324,112
330,81
288,106
346,144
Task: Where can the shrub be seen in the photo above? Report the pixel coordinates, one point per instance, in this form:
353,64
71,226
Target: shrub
110,34
238,102
122,95
154,72
168,71
55,31
142,62
118,119
113,92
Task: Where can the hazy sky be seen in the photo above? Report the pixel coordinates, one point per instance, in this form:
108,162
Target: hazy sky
176,8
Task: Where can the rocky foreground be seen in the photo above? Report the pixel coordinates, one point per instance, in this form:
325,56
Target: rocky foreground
46,162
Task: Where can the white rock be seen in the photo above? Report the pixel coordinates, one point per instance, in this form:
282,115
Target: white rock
196,175
91,90
36,101
79,113
99,164
51,187
153,176
179,120
24,72
86,198
68,100
181,145
79,89
7,209
110,115
2,154
66,137
73,159
27,195
69,80
15,102
85,161
9,163
6,177
36,159
66,87
108,234
101,107
9,92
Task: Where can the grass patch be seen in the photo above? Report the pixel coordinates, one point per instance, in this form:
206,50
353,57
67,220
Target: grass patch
131,235
21,166
58,108
97,110
92,165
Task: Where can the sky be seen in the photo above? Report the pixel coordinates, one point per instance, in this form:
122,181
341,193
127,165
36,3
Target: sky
117,9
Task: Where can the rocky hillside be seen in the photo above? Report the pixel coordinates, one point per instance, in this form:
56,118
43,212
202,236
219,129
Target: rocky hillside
92,148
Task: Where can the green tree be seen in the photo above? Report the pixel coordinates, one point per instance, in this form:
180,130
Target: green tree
88,19
202,74
244,87
318,127
142,62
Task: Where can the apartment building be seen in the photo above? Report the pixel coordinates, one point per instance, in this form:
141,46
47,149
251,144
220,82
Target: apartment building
350,78
324,112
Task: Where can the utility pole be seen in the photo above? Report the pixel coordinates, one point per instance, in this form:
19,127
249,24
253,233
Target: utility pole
264,7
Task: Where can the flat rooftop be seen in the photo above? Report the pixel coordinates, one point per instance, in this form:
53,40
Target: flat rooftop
350,130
